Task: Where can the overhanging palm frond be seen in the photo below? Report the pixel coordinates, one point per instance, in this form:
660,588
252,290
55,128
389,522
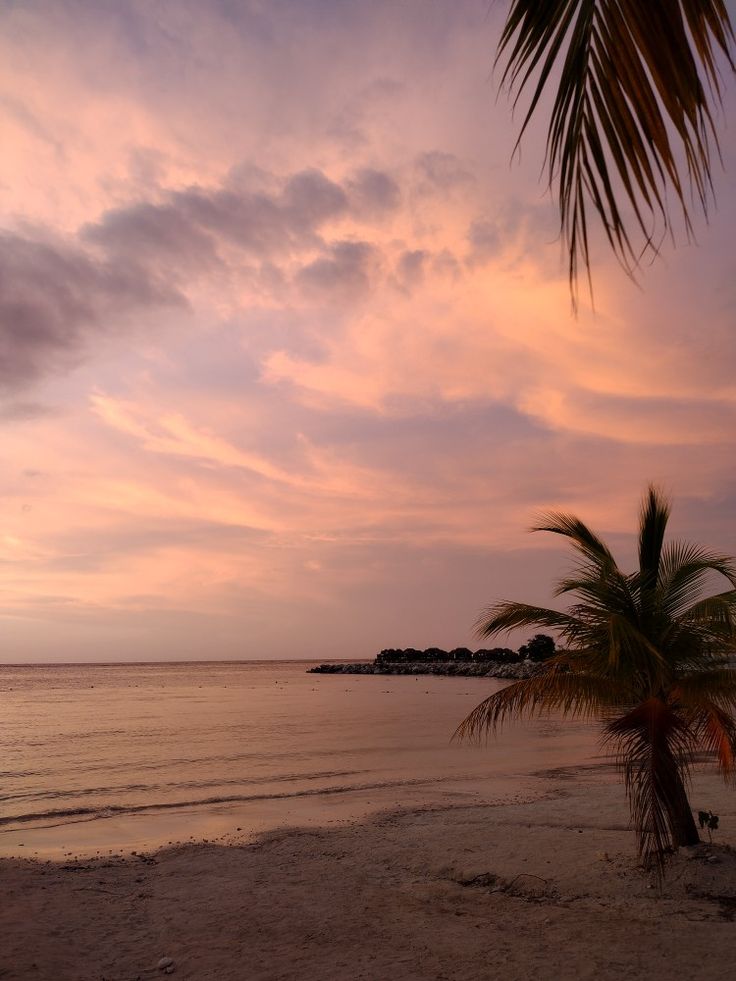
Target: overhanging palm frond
576,694
507,616
632,115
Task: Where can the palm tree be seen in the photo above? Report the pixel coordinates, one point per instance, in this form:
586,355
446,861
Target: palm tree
635,84
647,654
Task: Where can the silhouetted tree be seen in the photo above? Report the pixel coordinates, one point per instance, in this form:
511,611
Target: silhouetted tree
539,648
647,653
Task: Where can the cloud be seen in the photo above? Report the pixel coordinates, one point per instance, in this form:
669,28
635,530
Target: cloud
20,411
290,216
56,293
411,267
373,193
439,170
649,420
171,434
189,224
159,233
54,297
261,229
518,228
485,239
310,199
326,371
345,271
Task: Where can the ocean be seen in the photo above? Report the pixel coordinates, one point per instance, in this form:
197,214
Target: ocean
100,758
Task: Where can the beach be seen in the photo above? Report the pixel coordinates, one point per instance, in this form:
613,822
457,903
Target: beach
252,821
100,759
544,887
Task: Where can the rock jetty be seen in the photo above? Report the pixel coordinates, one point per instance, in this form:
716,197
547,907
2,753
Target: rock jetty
513,672
498,662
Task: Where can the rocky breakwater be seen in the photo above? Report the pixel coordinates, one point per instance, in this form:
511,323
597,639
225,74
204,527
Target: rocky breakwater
512,672
496,662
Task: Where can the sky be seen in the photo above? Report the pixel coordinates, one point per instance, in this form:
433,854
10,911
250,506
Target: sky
287,359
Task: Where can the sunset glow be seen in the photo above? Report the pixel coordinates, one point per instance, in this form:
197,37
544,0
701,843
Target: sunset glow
287,357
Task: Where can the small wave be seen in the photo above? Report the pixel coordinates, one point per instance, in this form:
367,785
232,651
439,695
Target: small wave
116,810
177,785
80,767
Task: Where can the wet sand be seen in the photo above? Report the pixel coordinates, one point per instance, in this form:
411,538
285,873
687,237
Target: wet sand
546,888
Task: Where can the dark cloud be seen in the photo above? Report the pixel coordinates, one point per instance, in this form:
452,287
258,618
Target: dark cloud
53,296
442,171
23,411
154,232
516,223
445,264
189,224
345,271
411,267
310,199
373,193
189,230
485,240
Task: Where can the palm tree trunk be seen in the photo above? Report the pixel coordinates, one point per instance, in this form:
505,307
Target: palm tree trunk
679,813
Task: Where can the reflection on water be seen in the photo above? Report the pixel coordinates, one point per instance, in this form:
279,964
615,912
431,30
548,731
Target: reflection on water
99,744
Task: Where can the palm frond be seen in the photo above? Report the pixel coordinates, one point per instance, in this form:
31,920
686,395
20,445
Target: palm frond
583,540
632,654
631,111
713,686
684,571
603,591
715,731
698,647
711,622
719,737
654,749
573,693
506,616
655,513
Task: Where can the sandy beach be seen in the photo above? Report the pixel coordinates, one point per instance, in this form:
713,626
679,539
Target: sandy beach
545,888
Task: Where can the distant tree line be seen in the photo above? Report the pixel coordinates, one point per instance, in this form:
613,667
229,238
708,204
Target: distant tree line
538,648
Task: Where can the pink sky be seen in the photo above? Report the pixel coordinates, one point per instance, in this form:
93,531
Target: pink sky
287,361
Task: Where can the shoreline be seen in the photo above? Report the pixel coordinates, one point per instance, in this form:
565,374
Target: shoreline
547,887
153,829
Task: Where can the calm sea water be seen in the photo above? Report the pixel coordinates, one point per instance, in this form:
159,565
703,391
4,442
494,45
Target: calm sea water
104,757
